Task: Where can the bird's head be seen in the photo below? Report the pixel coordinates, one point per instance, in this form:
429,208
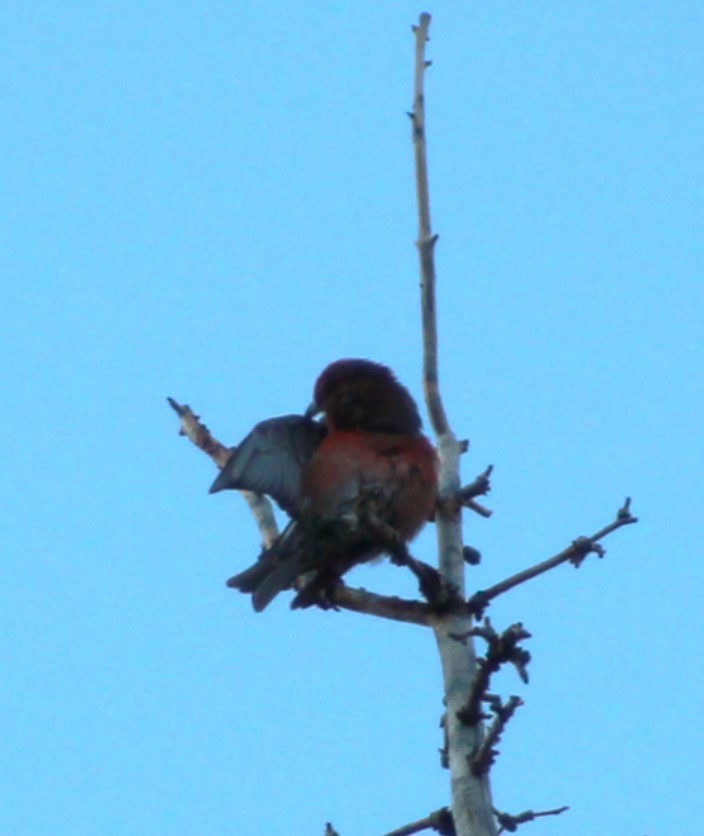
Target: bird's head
359,395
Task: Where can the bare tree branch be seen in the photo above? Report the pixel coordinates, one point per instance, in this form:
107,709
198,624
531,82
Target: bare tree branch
574,553
196,431
472,809
510,824
478,508
426,240
390,607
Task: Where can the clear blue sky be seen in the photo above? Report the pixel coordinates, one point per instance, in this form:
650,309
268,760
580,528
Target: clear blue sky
212,201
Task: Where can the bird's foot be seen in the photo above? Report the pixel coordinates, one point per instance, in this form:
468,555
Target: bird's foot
318,592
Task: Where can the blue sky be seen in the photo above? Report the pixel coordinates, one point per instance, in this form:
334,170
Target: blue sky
213,202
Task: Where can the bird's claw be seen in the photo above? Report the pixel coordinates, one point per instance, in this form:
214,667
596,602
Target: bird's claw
319,592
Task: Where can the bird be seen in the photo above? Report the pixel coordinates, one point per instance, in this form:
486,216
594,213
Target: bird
353,484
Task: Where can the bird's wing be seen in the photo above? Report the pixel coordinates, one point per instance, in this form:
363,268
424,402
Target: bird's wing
270,460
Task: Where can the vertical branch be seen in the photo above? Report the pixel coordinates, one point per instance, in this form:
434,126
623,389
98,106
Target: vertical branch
450,535
426,239
472,807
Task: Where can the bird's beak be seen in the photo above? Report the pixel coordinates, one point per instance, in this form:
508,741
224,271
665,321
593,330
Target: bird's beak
312,410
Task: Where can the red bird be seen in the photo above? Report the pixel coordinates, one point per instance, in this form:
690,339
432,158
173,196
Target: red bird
369,449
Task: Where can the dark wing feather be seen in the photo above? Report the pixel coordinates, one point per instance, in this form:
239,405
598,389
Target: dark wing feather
270,460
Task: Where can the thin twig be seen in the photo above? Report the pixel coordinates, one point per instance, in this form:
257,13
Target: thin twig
478,508
575,553
510,824
196,431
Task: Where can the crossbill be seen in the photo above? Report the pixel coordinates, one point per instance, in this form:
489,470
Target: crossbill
368,452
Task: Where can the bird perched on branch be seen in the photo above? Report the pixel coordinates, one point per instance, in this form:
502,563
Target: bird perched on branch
355,485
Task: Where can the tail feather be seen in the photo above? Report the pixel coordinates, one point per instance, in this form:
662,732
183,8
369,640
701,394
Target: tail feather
276,570
281,577
250,579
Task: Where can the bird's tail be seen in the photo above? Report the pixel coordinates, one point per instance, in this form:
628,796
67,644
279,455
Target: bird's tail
276,570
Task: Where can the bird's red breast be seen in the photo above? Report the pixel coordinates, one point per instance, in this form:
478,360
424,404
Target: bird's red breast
402,467
370,442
